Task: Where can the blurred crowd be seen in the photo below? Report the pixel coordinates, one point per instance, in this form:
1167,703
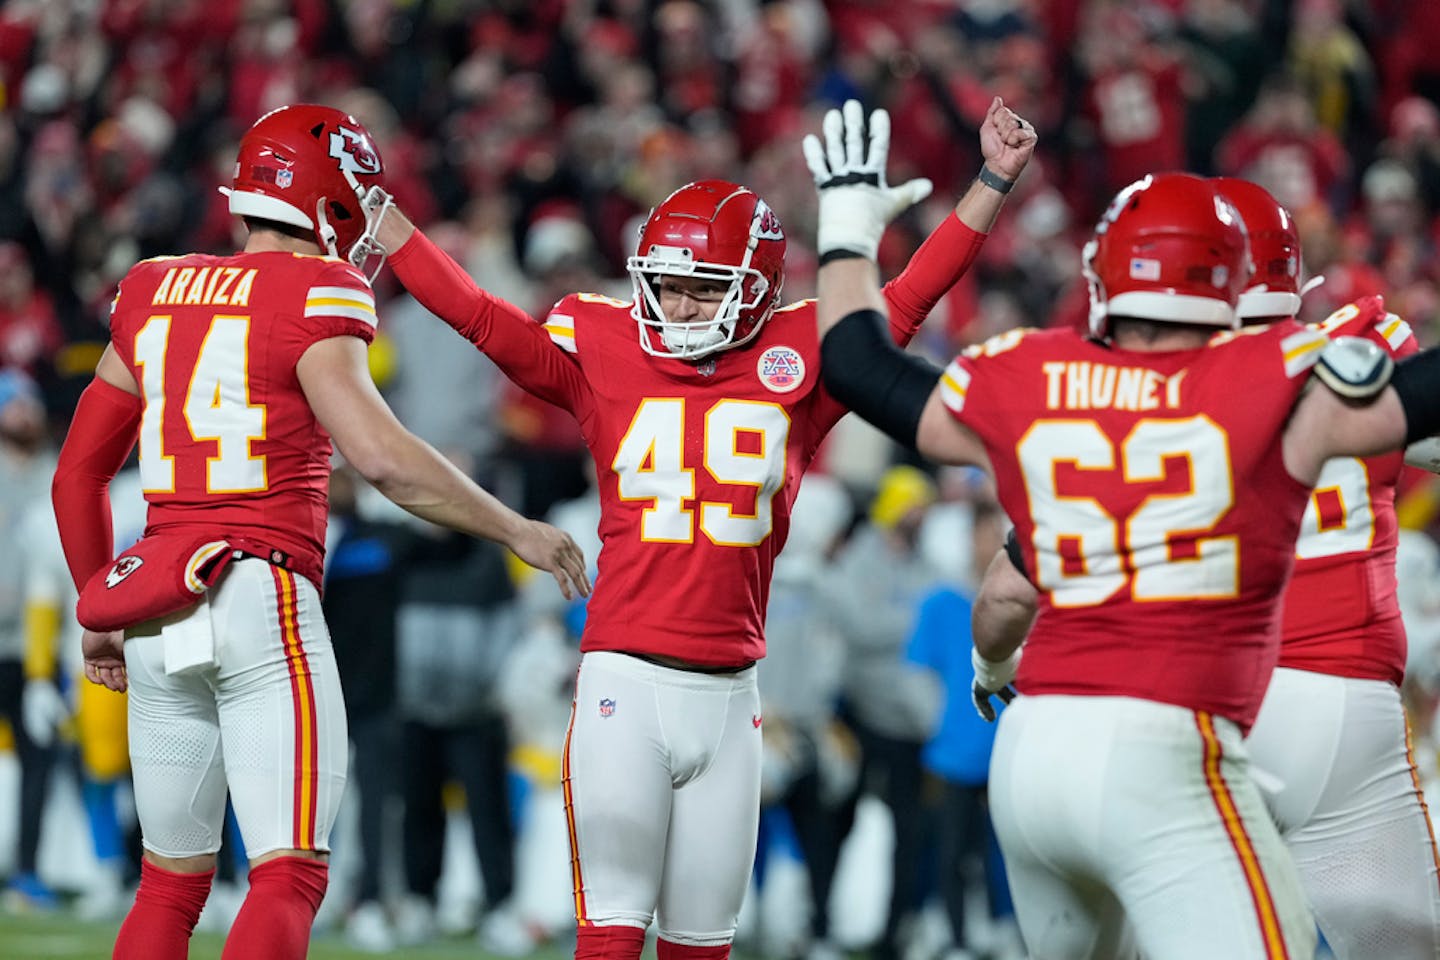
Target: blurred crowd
533,133
531,137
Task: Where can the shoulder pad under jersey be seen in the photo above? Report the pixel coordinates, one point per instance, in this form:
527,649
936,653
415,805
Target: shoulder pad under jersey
1354,367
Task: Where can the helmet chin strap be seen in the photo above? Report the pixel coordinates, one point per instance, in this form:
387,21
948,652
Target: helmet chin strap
681,338
323,231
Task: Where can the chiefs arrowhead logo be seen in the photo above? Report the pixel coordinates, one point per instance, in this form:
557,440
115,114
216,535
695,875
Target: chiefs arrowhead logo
122,569
354,151
766,225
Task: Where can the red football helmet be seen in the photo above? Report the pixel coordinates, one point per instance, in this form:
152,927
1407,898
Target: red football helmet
309,166
1274,291
716,230
1169,248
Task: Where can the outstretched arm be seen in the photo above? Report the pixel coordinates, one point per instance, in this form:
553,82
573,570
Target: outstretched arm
504,332
412,474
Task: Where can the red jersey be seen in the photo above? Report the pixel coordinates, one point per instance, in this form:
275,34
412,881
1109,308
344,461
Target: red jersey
698,463
1123,472
1341,614
228,443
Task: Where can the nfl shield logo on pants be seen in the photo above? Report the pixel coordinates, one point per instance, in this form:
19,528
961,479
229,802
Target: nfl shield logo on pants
607,707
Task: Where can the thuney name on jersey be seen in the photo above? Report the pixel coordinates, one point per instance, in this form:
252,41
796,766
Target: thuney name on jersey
1083,385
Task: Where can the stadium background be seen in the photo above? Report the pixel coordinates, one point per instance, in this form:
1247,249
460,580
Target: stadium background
530,136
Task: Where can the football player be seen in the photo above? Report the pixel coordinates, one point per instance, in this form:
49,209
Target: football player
701,403
1331,745
234,372
1157,472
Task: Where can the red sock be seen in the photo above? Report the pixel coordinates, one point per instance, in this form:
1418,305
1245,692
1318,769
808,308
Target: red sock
615,942
159,925
274,922
685,951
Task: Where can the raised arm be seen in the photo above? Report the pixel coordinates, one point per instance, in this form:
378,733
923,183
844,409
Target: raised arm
1006,142
861,366
505,333
412,474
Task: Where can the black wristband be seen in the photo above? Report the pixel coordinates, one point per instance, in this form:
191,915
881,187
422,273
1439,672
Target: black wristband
864,369
993,180
840,253
1417,383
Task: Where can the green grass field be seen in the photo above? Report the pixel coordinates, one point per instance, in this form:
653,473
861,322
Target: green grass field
44,937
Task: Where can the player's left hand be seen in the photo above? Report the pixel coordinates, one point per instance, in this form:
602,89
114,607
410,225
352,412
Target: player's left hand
856,203
369,250
552,550
105,658
993,680
1007,140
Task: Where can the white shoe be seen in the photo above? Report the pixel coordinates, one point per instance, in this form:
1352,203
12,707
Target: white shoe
505,933
368,929
414,920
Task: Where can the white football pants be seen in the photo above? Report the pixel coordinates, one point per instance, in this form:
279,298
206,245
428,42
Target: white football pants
1128,824
1332,755
662,793
264,718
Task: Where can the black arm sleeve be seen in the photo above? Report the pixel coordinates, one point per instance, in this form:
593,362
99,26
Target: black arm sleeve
1417,382
1012,550
864,369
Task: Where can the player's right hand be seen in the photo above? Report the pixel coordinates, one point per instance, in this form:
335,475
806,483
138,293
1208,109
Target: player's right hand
856,203
550,549
105,658
992,680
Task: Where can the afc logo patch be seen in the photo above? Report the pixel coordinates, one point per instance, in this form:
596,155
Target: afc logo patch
780,369
122,569
607,707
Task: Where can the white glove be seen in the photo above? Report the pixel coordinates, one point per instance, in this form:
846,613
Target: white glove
42,710
855,202
992,679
